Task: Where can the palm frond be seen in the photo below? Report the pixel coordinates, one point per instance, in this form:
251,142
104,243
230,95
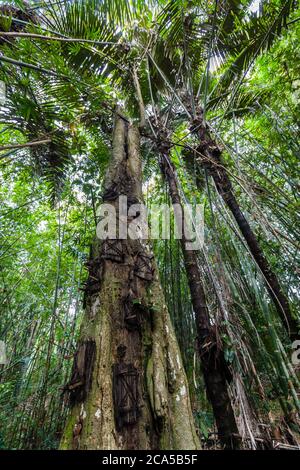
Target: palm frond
250,38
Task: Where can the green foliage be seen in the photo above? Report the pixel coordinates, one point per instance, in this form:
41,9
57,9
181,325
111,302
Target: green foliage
244,69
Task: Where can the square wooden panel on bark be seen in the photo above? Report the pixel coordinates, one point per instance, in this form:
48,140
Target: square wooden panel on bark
125,392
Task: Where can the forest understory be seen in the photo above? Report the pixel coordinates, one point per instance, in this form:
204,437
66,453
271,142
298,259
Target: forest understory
178,122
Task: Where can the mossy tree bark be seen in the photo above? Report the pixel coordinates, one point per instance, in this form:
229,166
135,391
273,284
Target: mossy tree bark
128,388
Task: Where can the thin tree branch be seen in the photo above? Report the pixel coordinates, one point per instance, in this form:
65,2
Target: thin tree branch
28,144
139,98
52,38
169,85
31,66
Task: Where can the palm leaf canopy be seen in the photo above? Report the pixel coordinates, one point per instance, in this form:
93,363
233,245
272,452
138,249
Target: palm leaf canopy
66,64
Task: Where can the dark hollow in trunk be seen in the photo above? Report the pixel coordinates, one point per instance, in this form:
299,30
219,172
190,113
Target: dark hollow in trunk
126,395
214,368
82,370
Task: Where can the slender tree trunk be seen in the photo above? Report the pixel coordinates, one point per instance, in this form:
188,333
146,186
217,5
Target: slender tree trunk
214,368
128,389
212,160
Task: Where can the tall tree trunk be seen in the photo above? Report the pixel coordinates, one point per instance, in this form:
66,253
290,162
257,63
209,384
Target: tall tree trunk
211,158
128,389
214,368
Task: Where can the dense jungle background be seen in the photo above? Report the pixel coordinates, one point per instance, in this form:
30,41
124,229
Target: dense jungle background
179,101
